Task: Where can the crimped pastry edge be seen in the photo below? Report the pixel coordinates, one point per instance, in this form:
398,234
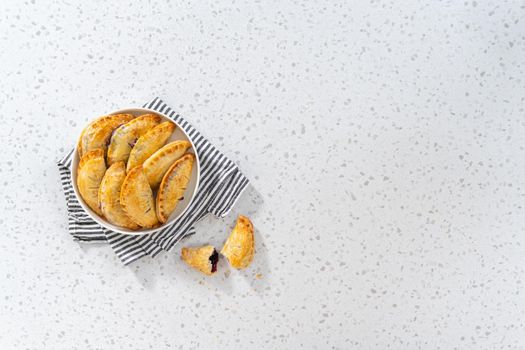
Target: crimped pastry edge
160,200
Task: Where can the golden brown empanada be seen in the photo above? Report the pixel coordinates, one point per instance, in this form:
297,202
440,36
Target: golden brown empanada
149,143
239,248
97,133
109,196
156,166
173,185
136,198
203,259
90,172
125,136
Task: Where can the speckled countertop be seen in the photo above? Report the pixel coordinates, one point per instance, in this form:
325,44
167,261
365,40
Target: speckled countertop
385,145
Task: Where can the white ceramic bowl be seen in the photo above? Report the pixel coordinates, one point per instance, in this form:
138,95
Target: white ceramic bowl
191,190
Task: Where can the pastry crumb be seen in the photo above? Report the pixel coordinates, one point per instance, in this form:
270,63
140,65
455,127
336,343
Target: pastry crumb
259,276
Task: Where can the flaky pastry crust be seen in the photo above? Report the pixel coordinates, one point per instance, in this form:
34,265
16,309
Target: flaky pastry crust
203,258
149,143
90,172
109,197
98,132
126,135
159,162
136,199
173,185
239,248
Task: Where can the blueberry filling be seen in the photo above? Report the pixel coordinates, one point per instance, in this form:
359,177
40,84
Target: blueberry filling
214,259
132,143
108,141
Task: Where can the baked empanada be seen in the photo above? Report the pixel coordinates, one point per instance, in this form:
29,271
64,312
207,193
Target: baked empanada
97,133
90,172
126,135
136,198
149,143
173,185
203,259
159,162
109,196
239,248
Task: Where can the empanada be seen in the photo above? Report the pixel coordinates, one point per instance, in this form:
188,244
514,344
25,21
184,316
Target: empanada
239,248
97,133
173,185
90,172
159,162
203,259
125,136
136,198
109,196
149,143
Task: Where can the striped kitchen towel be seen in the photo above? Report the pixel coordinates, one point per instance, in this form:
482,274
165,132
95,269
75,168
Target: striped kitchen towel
220,186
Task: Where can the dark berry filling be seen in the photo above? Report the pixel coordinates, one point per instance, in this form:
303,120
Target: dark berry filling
132,143
214,259
108,141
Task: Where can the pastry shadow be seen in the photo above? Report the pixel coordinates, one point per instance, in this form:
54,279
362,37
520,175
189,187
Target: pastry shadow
146,270
249,203
257,275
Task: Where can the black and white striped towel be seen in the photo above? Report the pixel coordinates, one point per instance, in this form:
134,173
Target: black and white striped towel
220,186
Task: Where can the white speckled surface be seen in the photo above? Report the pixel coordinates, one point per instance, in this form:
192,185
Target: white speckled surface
385,146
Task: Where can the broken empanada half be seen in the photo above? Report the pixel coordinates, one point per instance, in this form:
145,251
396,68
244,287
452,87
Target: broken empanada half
239,248
109,197
97,133
203,259
136,198
90,172
126,135
173,185
159,162
149,143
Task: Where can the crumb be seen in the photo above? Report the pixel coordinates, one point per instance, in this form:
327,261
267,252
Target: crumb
258,276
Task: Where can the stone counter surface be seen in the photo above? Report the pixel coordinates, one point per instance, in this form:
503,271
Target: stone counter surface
385,146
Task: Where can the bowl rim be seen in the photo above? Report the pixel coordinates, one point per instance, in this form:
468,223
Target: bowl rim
109,226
